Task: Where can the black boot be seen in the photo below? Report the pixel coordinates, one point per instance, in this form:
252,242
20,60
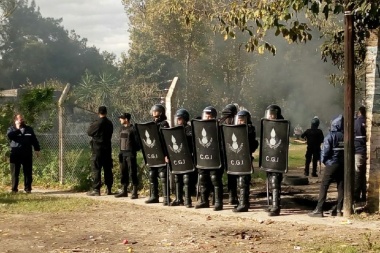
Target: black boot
218,191
275,209
94,192
233,200
204,202
188,201
134,192
179,195
243,202
316,213
123,193
165,193
153,194
109,190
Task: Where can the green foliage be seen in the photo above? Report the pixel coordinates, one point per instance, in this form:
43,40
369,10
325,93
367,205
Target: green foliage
34,101
37,49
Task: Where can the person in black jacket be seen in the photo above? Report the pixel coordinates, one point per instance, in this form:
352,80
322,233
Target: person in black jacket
182,181
244,181
22,139
129,145
314,138
332,156
360,188
101,132
159,117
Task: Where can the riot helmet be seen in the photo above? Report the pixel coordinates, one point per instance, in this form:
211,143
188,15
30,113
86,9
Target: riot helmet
228,114
157,111
315,122
209,113
182,116
243,117
273,112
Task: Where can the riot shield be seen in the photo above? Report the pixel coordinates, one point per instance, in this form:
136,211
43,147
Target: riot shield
274,145
236,149
177,148
151,144
206,144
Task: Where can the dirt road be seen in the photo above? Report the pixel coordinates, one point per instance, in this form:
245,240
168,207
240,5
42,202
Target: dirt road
124,225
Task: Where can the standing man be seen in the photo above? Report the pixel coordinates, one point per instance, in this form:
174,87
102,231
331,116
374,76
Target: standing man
244,181
360,188
273,144
206,175
314,138
332,156
159,117
101,132
22,138
228,114
129,145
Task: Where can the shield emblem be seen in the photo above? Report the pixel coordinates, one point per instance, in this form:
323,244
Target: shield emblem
175,140
274,145
151,144
236,149
206,144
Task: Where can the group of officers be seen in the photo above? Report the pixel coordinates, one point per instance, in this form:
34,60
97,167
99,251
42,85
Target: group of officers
197,152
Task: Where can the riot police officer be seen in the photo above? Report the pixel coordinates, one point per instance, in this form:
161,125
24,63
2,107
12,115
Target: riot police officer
182,118
159,117
273,112
129,145
215,175
244,181
228,114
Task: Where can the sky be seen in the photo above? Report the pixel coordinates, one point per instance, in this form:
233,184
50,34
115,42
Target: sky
103,22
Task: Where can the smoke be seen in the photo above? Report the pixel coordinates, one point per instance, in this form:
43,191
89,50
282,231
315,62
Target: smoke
297,80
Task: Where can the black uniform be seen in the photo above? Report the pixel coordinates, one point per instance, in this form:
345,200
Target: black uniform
22,141
155,173
244,181
184,181
360,189
314,138
101,132
129,145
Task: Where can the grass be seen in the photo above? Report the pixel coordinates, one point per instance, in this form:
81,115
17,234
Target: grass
21,203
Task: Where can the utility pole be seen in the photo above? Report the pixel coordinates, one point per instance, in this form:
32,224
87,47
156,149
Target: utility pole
349,104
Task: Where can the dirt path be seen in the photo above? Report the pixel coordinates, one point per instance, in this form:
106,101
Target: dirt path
156,228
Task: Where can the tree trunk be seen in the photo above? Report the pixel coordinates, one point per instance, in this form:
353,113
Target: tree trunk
372,102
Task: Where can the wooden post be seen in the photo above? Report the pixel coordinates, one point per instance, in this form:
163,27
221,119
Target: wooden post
349,110
60,132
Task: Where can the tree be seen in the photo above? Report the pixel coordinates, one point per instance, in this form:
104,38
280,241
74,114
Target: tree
37,49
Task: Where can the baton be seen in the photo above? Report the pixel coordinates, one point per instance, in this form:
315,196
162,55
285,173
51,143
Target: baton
320,167
267,190
167,184
198,188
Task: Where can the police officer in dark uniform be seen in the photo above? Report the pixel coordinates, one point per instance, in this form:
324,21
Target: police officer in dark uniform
215,175
273,112
22,139
228,115
182,118
332,156
314,138
244,181
101,132
360,189
129,145
159,117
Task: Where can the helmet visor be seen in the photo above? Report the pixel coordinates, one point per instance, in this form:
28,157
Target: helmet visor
271,114
179,121
207,115
240,119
